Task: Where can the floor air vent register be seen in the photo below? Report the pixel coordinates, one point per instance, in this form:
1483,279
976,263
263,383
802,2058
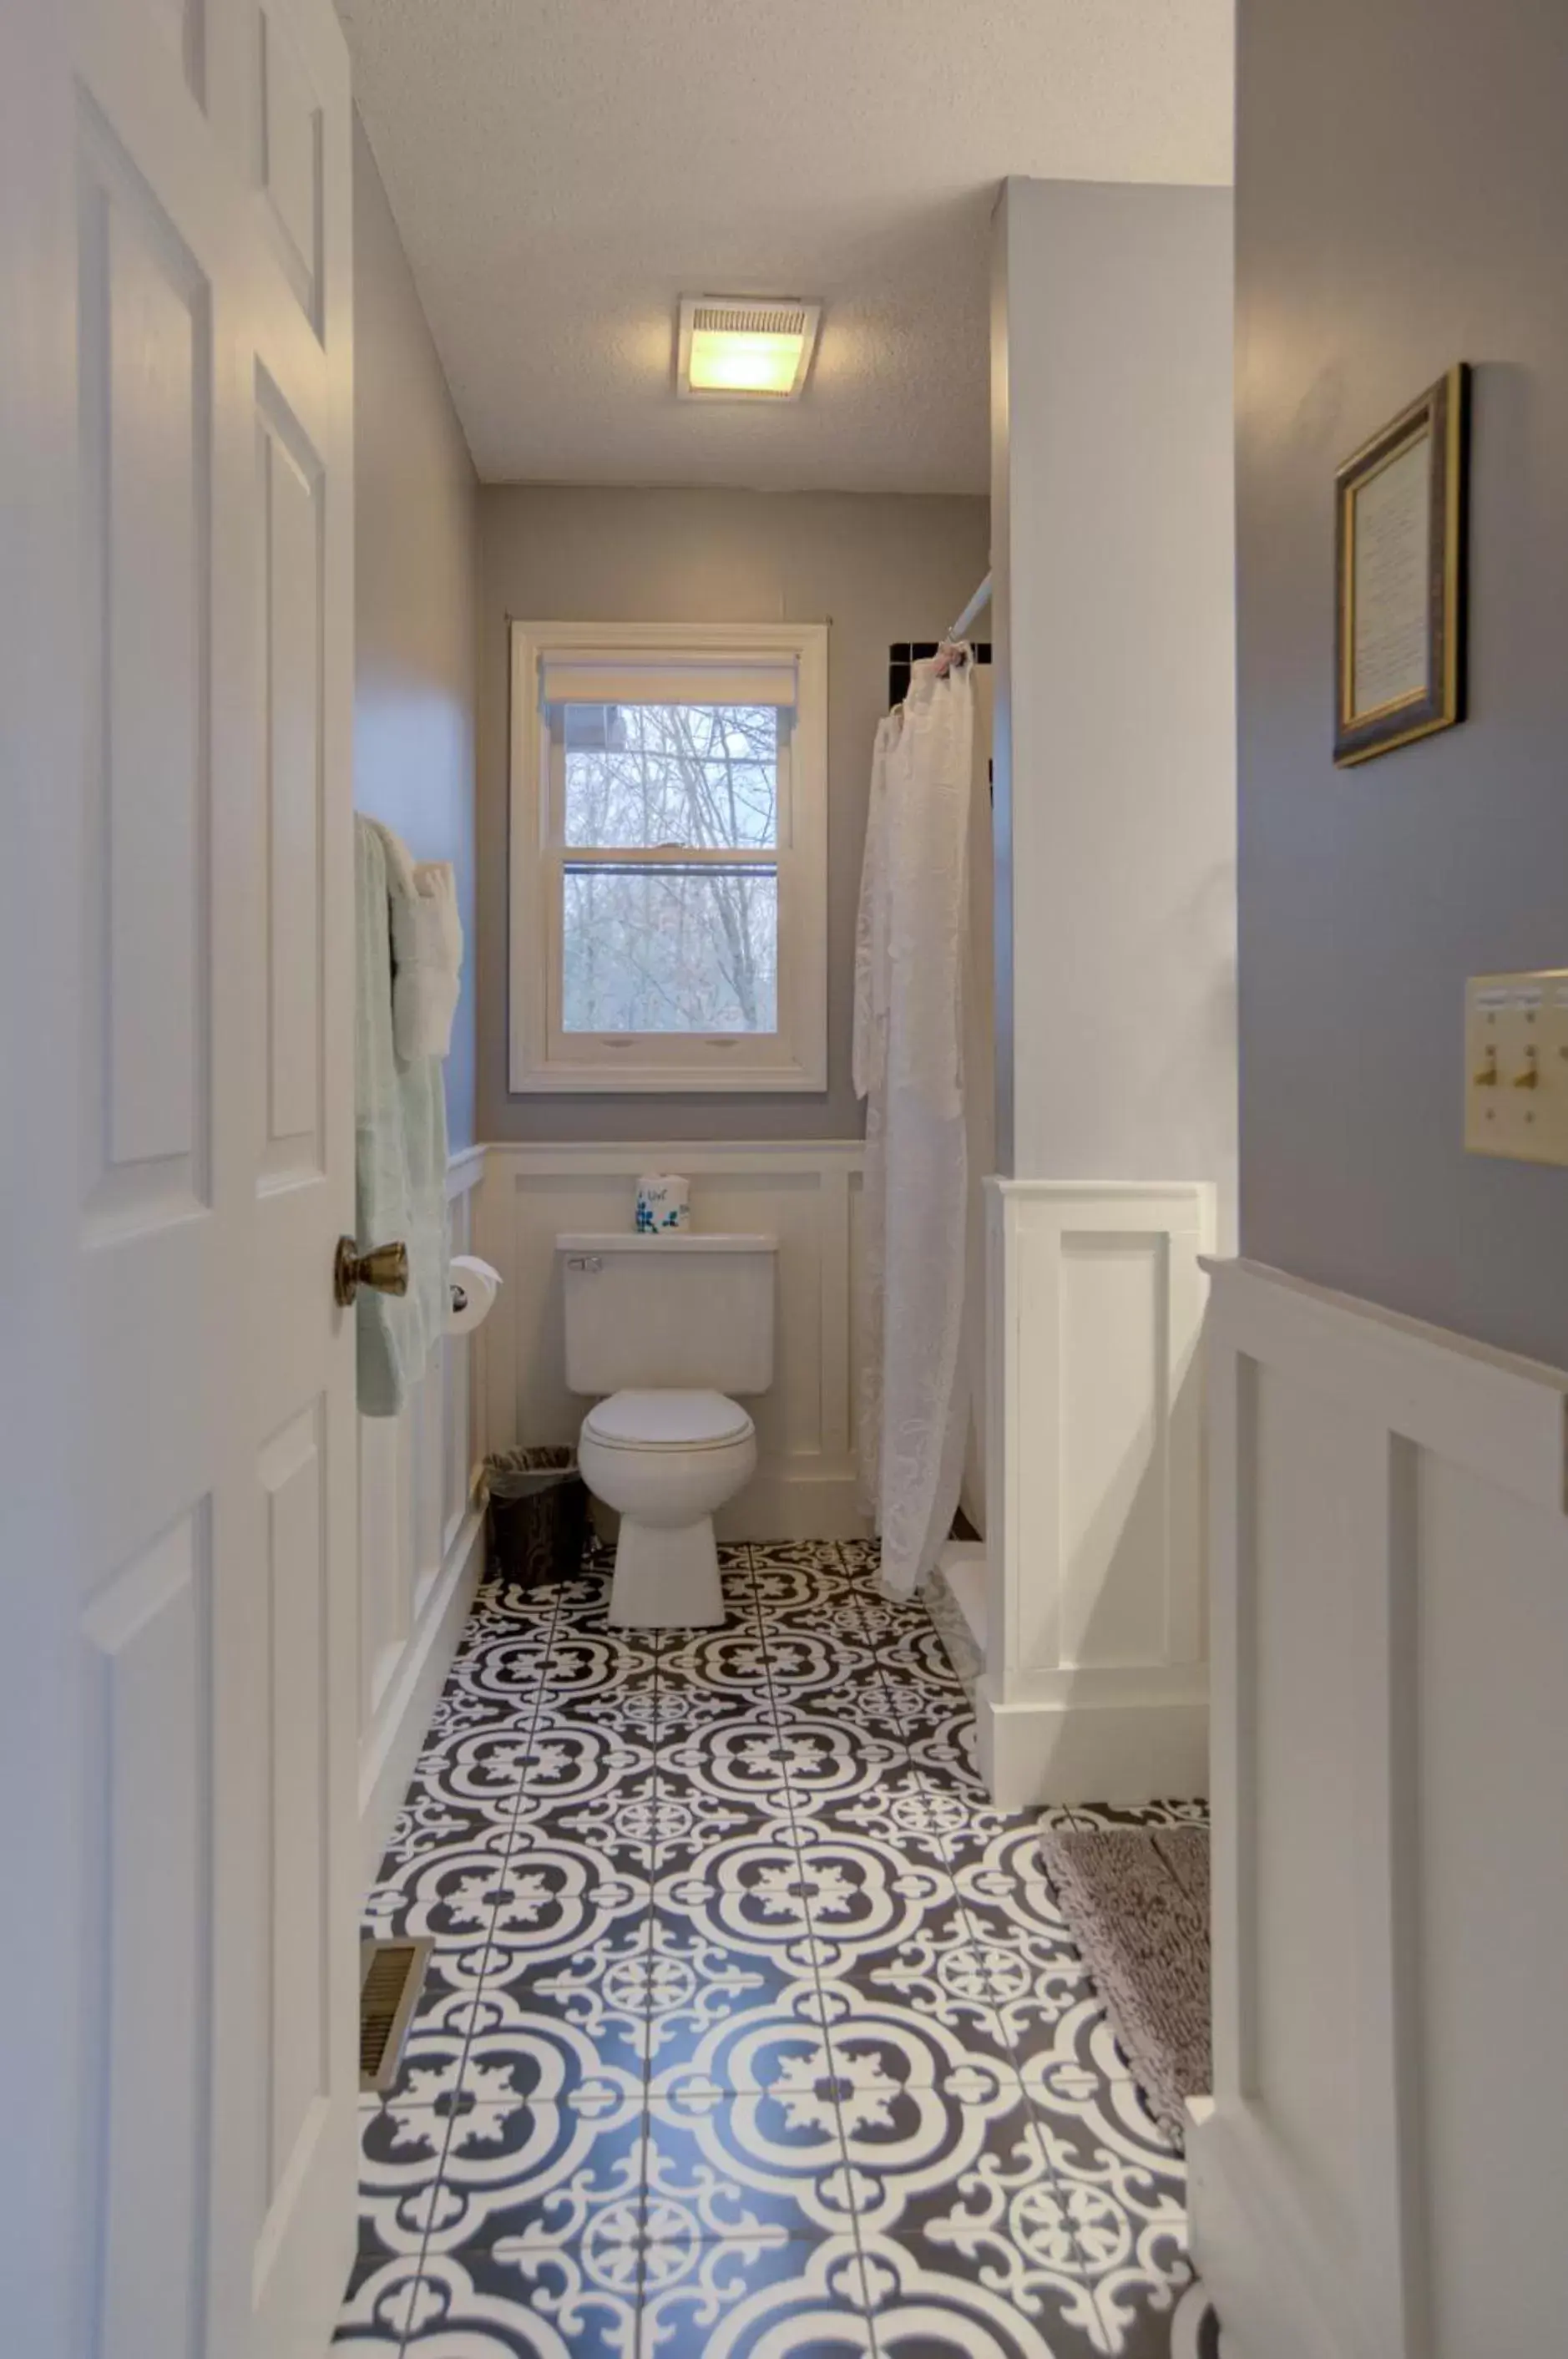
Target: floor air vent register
391,1974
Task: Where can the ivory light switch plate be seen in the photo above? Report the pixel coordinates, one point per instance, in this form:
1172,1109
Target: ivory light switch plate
1516,1066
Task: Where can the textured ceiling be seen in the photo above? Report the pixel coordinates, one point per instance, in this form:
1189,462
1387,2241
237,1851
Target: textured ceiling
562,170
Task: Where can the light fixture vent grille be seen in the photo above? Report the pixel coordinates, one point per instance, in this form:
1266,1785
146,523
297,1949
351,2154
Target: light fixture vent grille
745,347
754,320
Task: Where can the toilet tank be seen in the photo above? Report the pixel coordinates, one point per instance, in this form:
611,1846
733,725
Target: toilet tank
686,1311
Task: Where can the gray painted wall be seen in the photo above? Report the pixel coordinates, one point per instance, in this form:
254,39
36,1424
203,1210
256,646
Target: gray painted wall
1402,200
879,569
415,577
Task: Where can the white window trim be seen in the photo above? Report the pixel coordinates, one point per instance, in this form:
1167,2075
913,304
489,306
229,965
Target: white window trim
801,1060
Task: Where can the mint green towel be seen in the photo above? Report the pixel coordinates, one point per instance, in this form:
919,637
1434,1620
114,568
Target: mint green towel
400,1149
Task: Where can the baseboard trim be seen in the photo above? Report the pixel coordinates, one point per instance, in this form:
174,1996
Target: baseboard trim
393,1742
795,1507
1241,2235
1115,1745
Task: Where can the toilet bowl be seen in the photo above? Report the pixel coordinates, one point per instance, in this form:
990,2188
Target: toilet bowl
666,1460
664,1330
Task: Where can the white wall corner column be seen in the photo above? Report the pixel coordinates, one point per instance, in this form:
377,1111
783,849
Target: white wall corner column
421,1548
1381,2171
1114,625
1096,1687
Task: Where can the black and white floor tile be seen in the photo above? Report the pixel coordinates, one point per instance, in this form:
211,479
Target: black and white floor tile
750,2027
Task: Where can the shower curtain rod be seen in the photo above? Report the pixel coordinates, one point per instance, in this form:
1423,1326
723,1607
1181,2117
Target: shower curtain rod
976,605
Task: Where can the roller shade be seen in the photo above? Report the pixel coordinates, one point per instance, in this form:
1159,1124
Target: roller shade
568,679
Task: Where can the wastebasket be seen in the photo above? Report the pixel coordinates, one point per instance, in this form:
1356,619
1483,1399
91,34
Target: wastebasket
538,1515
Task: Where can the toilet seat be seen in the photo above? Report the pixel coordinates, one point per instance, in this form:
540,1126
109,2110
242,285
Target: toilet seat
660,1420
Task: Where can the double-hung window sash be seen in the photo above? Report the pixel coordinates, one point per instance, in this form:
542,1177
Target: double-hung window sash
669,815
676,882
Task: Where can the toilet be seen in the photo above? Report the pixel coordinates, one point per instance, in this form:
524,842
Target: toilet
664,1330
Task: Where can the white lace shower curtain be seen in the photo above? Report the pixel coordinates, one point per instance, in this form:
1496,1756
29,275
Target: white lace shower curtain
913,1377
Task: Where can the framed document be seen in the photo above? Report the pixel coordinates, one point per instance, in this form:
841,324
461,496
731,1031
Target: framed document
1399,549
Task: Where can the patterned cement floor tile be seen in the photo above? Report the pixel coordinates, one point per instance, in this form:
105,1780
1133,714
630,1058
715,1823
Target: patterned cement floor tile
526,2303
750,2027
754,2295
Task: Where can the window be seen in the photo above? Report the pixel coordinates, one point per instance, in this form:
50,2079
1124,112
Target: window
669,837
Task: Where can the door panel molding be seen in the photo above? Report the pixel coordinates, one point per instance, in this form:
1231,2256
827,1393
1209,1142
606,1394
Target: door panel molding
177,1636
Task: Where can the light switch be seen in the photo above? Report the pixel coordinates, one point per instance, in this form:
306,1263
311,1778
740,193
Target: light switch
1516,1066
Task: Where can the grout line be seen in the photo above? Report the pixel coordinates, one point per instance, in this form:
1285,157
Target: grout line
660,1649
1040,2112
898,1722
828,2043
930,1786
439,2181
890,1704
648,1923
787,1783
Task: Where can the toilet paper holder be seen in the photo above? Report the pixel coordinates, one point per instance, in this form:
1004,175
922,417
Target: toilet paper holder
471,1288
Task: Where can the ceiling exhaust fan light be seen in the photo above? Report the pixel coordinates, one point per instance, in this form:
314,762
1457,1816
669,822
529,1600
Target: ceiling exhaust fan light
743,348
724,362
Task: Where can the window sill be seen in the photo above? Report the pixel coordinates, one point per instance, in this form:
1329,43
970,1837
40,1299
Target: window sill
666,1080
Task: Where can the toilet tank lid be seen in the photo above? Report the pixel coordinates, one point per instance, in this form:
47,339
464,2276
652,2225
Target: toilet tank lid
664,1241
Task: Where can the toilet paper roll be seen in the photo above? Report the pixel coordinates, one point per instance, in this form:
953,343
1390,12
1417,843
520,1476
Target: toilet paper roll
663,1201
475,1285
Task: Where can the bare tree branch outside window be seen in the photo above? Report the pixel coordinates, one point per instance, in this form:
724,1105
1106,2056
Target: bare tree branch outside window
666,947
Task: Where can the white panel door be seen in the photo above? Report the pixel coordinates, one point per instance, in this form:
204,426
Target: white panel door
177,1612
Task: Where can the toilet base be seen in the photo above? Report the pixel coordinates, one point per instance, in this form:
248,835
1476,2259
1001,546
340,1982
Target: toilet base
666,1579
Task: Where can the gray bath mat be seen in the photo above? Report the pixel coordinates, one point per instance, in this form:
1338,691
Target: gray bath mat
1137,1901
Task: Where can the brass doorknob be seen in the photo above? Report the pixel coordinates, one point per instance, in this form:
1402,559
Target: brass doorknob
385,1268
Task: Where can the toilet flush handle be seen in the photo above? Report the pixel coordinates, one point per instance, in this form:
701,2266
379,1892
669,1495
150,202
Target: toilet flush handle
591,1263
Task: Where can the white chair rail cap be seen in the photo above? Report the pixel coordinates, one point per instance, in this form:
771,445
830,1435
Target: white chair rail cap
667,1241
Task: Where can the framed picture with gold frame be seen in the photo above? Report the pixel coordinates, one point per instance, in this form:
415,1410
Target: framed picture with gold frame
1400,558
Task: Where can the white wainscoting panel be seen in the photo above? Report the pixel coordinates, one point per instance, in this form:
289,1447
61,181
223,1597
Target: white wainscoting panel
421,1548
1381,2174
804,1192
148,1631
1095,1686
